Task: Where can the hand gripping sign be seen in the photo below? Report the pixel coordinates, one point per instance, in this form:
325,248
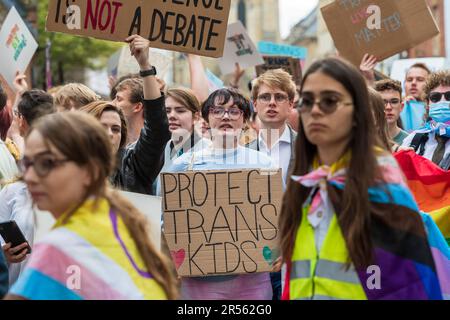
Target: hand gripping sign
222,222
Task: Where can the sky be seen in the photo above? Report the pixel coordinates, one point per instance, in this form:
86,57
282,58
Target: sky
292,11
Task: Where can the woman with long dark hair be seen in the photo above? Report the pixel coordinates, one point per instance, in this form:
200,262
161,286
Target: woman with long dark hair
348,220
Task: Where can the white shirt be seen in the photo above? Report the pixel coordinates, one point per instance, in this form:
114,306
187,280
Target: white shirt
16,204
430,146
280,151
8,166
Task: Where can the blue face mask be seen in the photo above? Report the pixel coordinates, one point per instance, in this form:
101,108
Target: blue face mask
440,111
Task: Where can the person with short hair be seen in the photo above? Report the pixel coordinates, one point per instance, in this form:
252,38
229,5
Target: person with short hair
415,79
273,95
226,111
73,96
433,141
15,201
140,162
391,92
130,98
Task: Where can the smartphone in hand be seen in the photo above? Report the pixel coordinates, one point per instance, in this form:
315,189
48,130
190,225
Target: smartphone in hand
11,233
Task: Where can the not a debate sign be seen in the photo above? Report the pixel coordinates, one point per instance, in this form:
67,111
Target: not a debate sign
192,26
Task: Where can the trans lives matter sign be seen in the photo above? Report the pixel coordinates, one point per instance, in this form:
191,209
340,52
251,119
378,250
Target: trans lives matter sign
379,27
193,26
222,222
289,64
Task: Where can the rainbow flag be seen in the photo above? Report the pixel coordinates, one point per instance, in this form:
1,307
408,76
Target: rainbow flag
90,257
430,186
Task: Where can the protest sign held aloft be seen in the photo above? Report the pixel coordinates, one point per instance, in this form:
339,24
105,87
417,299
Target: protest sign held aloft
222,222
401,25
193,26
17,46
239,48
289,64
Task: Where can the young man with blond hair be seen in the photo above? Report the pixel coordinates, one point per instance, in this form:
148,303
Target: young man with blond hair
73,96
273,95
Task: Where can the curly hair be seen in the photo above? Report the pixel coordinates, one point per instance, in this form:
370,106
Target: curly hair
388,84
436,79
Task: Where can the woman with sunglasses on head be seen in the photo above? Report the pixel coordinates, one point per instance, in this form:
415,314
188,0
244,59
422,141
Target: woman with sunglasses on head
433,140
99,247
348,220
226,111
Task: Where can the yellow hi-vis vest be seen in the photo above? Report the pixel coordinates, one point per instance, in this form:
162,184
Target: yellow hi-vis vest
322,276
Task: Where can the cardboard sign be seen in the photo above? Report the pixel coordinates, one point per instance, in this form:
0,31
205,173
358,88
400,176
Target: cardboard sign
197,26
404,24
222,222
289,64
122,63
239,48
276,49
147,205
17,46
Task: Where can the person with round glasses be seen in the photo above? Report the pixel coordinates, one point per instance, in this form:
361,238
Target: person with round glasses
391,92
347,209
433,140
99,238
226,110
15,201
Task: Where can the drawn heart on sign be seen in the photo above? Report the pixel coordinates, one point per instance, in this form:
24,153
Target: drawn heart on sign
267,254
270,255
178,257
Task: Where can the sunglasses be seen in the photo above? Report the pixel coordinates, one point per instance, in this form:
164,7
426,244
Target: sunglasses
437,96
42,164
327,104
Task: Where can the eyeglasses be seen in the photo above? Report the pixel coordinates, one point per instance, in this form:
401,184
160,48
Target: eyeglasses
392,102
437,96
327,104
267,97
219,113
42,164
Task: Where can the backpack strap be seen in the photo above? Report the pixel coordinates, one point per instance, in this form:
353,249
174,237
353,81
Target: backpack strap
418,143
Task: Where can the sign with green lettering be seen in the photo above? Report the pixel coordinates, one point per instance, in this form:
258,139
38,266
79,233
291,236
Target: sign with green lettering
192,26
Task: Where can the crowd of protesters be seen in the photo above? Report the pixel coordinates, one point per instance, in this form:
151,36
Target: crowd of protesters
346,204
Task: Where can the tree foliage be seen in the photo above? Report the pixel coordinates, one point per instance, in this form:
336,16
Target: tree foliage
68,53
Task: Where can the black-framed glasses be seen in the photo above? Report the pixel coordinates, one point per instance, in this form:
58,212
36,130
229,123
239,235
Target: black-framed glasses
437,96
219,112
392,102
43,164
327,104
267,97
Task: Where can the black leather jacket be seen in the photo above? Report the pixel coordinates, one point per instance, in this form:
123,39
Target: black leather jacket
141,162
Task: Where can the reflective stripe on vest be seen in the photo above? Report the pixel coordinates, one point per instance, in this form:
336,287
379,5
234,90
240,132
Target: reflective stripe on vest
322,276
